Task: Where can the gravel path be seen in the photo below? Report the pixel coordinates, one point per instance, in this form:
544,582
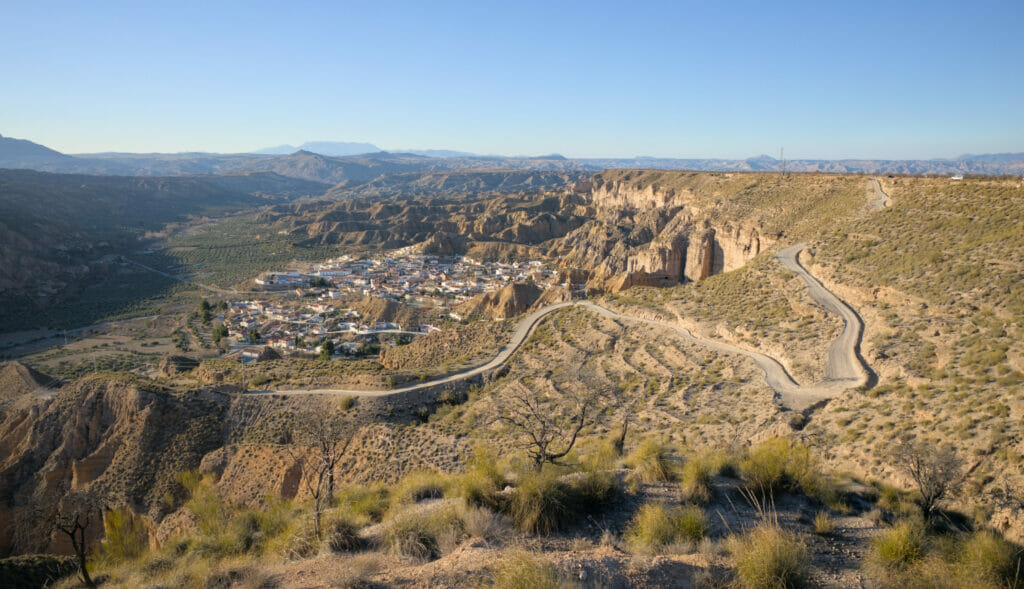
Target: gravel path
882,199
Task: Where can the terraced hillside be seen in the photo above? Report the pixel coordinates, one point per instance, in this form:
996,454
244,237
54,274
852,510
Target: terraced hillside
936,277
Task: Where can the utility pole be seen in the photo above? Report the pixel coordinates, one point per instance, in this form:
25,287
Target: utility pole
782,160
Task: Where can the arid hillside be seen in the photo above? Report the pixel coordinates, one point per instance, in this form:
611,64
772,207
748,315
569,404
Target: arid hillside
936,277
604,447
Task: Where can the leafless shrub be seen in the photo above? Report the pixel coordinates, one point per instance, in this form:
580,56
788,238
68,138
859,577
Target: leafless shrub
936,471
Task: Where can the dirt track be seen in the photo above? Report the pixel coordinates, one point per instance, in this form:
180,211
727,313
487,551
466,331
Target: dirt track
882,199
844,368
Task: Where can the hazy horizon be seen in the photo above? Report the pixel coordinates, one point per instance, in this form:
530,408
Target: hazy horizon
299,147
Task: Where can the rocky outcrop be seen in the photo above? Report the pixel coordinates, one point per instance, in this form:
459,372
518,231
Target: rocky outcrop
175,365
123,439
647,234
623,193
444,244
503,303
18,380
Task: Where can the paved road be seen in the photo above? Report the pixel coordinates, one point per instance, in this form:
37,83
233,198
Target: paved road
882,199
519,336
844,369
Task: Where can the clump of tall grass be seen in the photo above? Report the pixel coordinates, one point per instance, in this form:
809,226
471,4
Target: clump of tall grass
423,534
900,546
364,501
541,503
695,481
419,486
780,464
522,570
650,463
343,536
544,503
656,526
125,536
768,557
483,523
479,485
823,524
906,555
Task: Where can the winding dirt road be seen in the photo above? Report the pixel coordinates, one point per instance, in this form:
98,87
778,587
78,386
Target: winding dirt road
882,199
844,367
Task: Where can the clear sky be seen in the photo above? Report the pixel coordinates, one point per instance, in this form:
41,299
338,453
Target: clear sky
826,79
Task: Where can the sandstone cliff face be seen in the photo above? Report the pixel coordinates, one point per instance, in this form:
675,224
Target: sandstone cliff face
119,439
646,235
624,194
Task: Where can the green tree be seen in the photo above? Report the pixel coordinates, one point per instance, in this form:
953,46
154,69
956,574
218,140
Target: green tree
220,332
205,312
326,349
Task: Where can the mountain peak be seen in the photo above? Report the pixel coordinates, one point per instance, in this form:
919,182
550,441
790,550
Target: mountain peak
328,148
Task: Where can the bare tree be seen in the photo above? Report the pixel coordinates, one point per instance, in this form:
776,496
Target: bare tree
74,514
319,440
548,422
935,470
77,513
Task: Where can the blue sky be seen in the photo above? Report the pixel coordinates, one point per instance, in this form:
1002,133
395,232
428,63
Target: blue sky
585,79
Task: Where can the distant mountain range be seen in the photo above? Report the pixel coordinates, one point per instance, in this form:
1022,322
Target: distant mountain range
340,162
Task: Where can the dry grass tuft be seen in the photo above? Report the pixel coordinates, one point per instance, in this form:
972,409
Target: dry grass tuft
655,526
522,570
650,463
768,557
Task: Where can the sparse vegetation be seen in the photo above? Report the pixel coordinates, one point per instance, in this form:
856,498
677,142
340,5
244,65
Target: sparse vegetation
553,477
909,555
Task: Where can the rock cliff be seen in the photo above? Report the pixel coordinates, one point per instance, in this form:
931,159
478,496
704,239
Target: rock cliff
122,439
647,234
126,439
